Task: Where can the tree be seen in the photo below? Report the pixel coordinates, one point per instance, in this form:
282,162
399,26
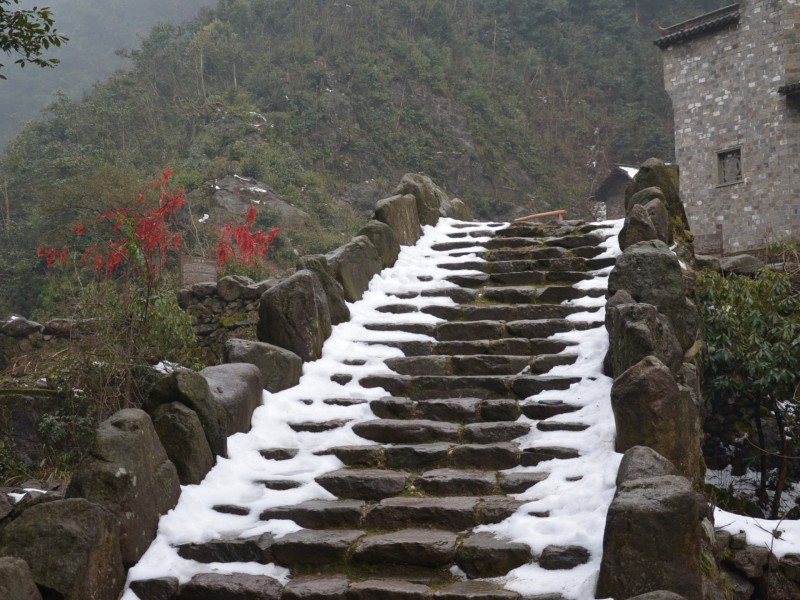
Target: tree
27,33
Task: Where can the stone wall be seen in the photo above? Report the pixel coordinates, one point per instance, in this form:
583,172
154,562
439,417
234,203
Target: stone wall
724,90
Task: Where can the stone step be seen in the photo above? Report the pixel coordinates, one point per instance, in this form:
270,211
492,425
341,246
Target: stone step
456,410
493,455
476,364
314,546
532,457
488,387
515,266
561,426
484,555
516,483
412,431
320,514
544,409
533,295
576,241
254,549
487,332
537,277
457,482
415,547
506,346
364,484
456,294
455,513
504,312
529,252
600,263
419,431
449,246
420,328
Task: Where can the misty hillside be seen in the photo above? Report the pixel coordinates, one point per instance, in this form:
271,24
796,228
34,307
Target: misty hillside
96,30
515,107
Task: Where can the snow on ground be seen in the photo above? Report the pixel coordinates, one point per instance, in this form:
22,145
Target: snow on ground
576,494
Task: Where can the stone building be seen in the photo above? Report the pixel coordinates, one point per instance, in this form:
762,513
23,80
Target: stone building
734,79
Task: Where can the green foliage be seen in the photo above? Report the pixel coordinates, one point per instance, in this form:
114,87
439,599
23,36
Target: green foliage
28,34
752,331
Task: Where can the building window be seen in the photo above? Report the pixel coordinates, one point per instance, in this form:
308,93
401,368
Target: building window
729,166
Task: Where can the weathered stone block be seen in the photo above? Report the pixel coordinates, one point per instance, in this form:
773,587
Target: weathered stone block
72,547
318,264
651,409
384,239
191,389
129,474
16,580
184,441
652,540
400,213
354,265
294,314
280,368
239,388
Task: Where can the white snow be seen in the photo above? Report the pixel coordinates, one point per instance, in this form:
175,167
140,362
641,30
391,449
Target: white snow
629,171
576,494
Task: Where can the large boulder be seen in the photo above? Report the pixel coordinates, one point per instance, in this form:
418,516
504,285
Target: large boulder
318,264
16,580
400,213
294,314
72,547
638,330
236,194
652,409
129,474
20,417
280,368
354,265
191,389
181,433
384,239
239,388
651,273
652,540
429,196
654,173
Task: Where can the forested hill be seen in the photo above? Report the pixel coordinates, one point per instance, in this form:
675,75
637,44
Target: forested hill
514,106
96,30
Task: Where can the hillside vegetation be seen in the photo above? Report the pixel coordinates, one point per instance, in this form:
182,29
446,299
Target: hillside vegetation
513,106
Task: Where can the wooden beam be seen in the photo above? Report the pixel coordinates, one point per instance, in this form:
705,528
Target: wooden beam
551,213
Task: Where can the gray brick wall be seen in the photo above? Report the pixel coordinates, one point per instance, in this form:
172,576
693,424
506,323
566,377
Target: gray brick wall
723,87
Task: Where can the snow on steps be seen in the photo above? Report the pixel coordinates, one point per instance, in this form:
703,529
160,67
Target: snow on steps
487,470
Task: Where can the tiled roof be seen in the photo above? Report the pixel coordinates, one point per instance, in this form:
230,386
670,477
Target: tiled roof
701,25
790,88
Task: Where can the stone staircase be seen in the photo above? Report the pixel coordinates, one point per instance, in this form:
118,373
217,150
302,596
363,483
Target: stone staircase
449,443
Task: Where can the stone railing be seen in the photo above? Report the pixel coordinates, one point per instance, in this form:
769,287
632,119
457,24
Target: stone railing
660,533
